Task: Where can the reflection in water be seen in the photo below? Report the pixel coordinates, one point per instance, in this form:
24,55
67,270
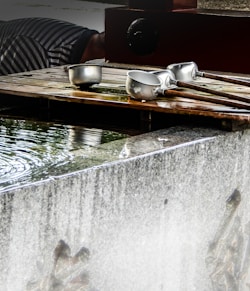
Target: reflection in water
88,136
31,151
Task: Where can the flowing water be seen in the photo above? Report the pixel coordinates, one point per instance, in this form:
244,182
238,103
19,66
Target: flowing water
31,151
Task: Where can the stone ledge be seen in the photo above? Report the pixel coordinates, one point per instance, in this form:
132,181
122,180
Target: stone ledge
225,5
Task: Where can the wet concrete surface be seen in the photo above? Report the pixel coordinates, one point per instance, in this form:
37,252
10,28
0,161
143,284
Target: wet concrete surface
160,217
172,218
225,4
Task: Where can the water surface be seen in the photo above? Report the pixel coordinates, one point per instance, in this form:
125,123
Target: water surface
32,151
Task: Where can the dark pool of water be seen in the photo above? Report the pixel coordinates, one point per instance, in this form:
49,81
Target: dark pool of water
32,151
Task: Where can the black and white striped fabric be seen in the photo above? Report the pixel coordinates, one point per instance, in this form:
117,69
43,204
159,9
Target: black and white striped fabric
34,43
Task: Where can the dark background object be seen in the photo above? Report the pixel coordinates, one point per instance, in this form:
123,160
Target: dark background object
142,36
214,39
161,4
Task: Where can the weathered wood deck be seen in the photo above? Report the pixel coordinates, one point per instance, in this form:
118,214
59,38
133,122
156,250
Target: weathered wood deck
53,84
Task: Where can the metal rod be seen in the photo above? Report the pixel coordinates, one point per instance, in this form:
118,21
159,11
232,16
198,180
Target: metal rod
211,99
211,91
225,79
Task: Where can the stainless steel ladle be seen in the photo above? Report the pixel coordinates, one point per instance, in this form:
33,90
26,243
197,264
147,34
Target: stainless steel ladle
188,71
84,75
169,78
143,85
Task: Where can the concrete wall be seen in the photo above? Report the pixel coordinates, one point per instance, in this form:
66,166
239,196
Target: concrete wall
225,4
176,218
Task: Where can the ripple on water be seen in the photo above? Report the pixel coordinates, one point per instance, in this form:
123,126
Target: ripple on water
31,151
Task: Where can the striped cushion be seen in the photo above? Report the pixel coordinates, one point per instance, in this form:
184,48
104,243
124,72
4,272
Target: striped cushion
35,43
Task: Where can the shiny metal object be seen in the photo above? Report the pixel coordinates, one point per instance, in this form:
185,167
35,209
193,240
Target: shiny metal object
142,85
84,74
167,78
186,72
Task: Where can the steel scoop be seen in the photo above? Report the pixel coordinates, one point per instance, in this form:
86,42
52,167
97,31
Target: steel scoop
188,71
143,85
166,77
84,75
170,80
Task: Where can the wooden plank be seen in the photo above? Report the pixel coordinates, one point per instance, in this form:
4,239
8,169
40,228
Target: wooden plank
53,84
58,75
172,105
